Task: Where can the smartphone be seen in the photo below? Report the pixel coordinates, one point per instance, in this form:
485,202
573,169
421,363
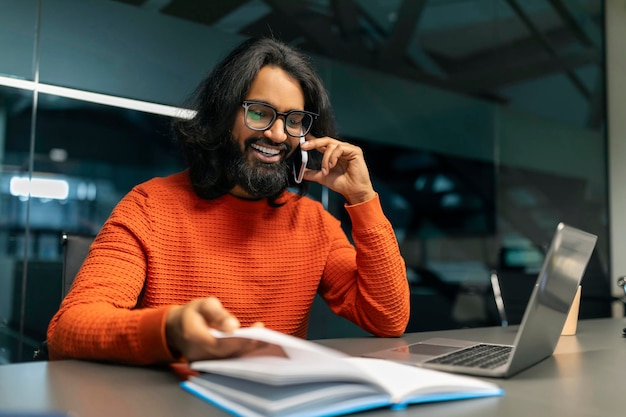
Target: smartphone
298,174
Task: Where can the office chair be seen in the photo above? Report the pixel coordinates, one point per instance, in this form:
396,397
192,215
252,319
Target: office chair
75,248
512,289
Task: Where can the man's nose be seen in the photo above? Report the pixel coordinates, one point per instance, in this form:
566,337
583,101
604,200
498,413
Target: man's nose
276,132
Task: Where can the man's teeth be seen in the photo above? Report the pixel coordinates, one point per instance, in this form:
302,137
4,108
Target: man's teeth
268,151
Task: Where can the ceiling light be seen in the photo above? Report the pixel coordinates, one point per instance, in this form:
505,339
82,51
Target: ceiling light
105,99
39,188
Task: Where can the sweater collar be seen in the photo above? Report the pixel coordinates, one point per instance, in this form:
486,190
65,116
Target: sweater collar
242,204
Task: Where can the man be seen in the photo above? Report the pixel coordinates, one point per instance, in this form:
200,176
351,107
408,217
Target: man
225,244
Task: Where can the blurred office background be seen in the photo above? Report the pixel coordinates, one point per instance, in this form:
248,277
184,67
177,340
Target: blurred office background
484,123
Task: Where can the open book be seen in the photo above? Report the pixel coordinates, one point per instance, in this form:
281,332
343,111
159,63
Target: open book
294,377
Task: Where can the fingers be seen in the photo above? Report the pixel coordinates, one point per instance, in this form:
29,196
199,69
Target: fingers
343,168
216,315
333,152
188,331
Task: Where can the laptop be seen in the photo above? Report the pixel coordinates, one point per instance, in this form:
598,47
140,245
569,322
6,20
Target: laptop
539,330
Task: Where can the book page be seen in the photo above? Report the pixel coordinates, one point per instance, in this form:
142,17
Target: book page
406,383
276,370
285,360
271,400
306,362
293,346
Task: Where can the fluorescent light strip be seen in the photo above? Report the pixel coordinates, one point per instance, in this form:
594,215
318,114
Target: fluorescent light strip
105,99
39,187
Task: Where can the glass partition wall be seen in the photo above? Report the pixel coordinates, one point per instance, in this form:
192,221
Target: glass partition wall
482,122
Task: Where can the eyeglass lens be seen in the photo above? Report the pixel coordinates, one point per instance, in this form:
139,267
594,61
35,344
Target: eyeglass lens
261,117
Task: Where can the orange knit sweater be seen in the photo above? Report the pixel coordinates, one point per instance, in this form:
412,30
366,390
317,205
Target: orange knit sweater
162,246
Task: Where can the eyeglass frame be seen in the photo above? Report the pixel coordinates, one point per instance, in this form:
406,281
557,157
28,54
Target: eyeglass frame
246,103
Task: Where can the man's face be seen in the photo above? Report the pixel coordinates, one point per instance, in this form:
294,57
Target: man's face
257,160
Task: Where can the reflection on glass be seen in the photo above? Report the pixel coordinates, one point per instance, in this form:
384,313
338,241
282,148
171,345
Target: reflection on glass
86,156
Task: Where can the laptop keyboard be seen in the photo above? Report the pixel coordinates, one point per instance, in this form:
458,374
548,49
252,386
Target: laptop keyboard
478,356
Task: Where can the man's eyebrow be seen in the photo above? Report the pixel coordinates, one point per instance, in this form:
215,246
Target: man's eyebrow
272,105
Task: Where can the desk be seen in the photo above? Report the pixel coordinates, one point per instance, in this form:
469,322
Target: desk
585,378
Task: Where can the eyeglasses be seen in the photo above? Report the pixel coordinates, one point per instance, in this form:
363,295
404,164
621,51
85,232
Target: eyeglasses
261,116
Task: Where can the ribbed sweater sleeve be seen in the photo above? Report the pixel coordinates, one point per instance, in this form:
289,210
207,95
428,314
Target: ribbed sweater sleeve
369,286
99,318
164,246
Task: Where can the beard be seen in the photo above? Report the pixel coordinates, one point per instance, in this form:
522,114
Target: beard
256,178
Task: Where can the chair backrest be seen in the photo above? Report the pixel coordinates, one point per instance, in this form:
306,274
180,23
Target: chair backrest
512,293
75,249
